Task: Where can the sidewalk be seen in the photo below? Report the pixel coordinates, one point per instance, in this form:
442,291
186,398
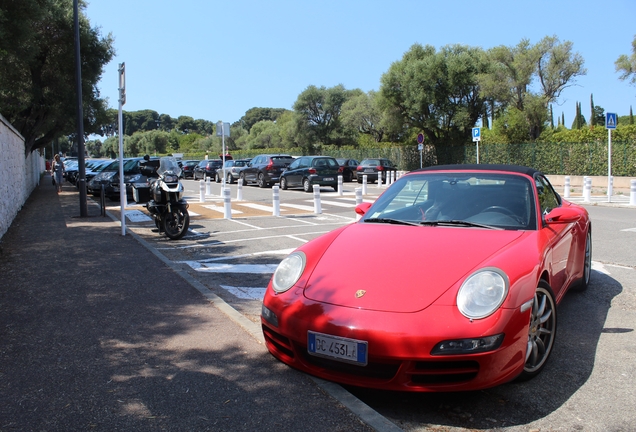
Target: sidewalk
97,333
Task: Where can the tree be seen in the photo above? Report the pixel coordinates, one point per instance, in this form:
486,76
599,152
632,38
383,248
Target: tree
264,134
318,114
627,65
436,93
579,119
37,70
363,114
254,115
513,70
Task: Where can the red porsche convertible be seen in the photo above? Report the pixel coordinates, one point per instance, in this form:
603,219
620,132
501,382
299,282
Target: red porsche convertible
457,286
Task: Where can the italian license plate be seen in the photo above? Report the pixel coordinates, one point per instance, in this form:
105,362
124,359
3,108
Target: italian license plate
368,170
328,179
337,348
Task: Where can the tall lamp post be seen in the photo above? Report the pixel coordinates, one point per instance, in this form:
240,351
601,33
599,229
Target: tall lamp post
81,166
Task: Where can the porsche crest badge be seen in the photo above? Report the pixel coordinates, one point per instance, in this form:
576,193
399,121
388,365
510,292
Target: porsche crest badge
360,293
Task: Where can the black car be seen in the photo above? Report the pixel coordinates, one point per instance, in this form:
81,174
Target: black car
206,169
349,167
265,169
109,176
307,171
187,168
371,167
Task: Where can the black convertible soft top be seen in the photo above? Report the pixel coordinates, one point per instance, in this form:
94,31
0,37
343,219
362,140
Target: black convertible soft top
482,167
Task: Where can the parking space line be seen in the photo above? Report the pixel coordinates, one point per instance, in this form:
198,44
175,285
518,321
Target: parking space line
298,207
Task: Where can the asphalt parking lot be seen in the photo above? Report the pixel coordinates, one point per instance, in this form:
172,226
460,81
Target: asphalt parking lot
588,384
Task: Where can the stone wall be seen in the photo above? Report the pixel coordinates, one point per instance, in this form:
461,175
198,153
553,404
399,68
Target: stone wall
18,175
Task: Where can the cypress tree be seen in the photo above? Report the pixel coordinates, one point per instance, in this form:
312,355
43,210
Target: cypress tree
562,118
551,117
592,119
631,116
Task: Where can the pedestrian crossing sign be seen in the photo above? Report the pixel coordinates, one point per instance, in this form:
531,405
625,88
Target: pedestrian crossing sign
610,120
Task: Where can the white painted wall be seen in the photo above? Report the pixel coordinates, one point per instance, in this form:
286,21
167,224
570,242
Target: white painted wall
18,175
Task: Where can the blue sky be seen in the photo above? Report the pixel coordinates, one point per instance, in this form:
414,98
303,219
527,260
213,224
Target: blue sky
215,60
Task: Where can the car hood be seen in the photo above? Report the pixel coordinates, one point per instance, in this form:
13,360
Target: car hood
400,268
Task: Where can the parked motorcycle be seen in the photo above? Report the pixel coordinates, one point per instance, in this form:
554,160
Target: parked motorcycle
165,197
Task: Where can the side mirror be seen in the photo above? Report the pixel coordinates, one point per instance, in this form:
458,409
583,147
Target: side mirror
362,208
562,215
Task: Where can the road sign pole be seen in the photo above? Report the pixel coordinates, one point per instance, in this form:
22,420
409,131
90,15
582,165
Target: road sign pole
609,165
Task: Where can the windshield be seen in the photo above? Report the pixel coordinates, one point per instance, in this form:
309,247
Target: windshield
168,164
459,199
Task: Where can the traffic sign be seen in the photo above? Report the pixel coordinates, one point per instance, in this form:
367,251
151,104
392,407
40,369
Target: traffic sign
420,147
476,134
610,120
420,138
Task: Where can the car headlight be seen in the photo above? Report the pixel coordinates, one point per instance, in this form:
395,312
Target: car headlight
288,272
131,178
482,293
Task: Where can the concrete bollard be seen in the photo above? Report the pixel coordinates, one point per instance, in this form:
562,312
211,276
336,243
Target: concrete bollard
208,186
227,204
364,184
358,201
610,188
379,179
201,191
340,191
317,206
632,193
587,189
566,188
239,190
276,200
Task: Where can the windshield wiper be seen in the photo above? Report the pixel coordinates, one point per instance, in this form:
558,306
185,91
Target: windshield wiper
391,221
458,223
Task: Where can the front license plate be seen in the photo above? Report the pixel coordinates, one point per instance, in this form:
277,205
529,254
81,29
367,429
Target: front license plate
328,179
338,348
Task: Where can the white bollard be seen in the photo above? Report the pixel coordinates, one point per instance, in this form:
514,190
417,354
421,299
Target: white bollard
391,178
276,200
610,188
364,184
632,193
201,191
566,188
358,201
239,190
379,179
208,186
587,189
340,192
227,204
317,206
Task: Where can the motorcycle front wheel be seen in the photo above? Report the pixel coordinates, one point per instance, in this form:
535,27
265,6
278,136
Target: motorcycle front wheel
176,222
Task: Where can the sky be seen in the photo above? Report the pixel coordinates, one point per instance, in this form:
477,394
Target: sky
215,60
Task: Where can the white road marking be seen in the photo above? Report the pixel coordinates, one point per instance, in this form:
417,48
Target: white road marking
299,207
600,267
137,216
630,229
338,204
221,209
247,293
262,207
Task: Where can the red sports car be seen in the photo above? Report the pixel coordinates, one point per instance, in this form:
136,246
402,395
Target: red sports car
457,288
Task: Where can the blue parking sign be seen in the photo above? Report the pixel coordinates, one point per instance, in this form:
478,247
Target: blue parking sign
476,134
610,120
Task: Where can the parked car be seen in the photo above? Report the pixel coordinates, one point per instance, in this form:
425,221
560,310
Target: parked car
187,168
265,169
71,170
206,169
371,168
231,170
481,255
110,177
349,167
307,171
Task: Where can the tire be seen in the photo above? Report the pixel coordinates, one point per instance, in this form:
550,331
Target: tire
283,183
217,179
347,176
175,223
229,179
541,331
242,177
307,185
359,180
587,265
262,183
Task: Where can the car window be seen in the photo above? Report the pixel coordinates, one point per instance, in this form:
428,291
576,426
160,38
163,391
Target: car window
548,199
283,159
295,164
